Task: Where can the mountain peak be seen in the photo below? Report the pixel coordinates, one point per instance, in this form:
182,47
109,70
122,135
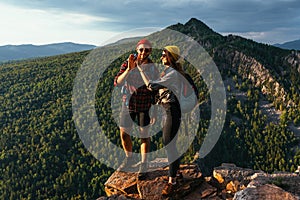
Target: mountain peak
199,26
196,22
195,28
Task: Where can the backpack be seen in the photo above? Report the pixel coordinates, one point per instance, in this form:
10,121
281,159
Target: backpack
189,104
126,88
188,95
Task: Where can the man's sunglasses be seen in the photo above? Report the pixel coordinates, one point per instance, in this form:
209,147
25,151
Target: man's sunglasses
146,50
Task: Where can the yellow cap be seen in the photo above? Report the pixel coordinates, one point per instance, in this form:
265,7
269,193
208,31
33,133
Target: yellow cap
174,51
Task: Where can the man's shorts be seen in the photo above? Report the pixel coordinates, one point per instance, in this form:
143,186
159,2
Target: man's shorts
127,118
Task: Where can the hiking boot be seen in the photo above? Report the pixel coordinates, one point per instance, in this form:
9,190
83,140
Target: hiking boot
179,177
126,165
169,189
142,173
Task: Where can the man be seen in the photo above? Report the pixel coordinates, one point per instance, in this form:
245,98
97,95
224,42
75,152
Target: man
137,100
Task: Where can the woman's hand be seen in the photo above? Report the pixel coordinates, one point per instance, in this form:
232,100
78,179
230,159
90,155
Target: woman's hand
153,120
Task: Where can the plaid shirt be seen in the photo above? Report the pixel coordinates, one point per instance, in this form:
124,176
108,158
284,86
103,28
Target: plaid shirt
141,98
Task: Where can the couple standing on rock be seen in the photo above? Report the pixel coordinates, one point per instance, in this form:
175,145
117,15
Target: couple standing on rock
142,86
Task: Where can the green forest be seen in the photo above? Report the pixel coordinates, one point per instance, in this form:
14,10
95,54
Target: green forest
43,157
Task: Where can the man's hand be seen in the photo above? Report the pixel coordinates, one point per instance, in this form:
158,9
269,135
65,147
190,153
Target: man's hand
131,62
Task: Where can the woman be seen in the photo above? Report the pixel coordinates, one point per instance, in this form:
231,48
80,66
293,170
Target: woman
169,88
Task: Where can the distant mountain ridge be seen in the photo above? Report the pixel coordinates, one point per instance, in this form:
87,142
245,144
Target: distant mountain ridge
25,51
17,52
295,44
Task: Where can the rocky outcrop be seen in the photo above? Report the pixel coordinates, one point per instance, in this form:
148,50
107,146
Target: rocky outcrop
250,68
252,184
267,191
127,185
226,182
294,60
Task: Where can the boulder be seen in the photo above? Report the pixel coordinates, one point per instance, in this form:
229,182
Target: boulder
226,182
267,191
126,183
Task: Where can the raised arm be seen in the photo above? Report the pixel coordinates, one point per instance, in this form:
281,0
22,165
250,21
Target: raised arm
143,75
124,71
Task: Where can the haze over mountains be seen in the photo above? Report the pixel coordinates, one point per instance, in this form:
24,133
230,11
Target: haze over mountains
17,52
295,44
25,51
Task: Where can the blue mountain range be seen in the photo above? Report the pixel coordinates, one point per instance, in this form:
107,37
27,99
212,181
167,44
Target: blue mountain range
25,51
295,44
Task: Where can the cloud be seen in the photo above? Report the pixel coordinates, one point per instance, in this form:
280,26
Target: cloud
263,21
253,18
42,26
257,14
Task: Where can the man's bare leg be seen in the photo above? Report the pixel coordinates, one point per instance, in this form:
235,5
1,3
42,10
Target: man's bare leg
126,141
128,162
145,147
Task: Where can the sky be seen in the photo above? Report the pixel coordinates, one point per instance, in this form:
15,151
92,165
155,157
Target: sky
99,21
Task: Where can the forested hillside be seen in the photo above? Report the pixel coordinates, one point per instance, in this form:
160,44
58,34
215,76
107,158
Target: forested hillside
42,156
256,76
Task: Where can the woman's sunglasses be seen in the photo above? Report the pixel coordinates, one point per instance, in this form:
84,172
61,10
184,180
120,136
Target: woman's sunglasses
146,50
